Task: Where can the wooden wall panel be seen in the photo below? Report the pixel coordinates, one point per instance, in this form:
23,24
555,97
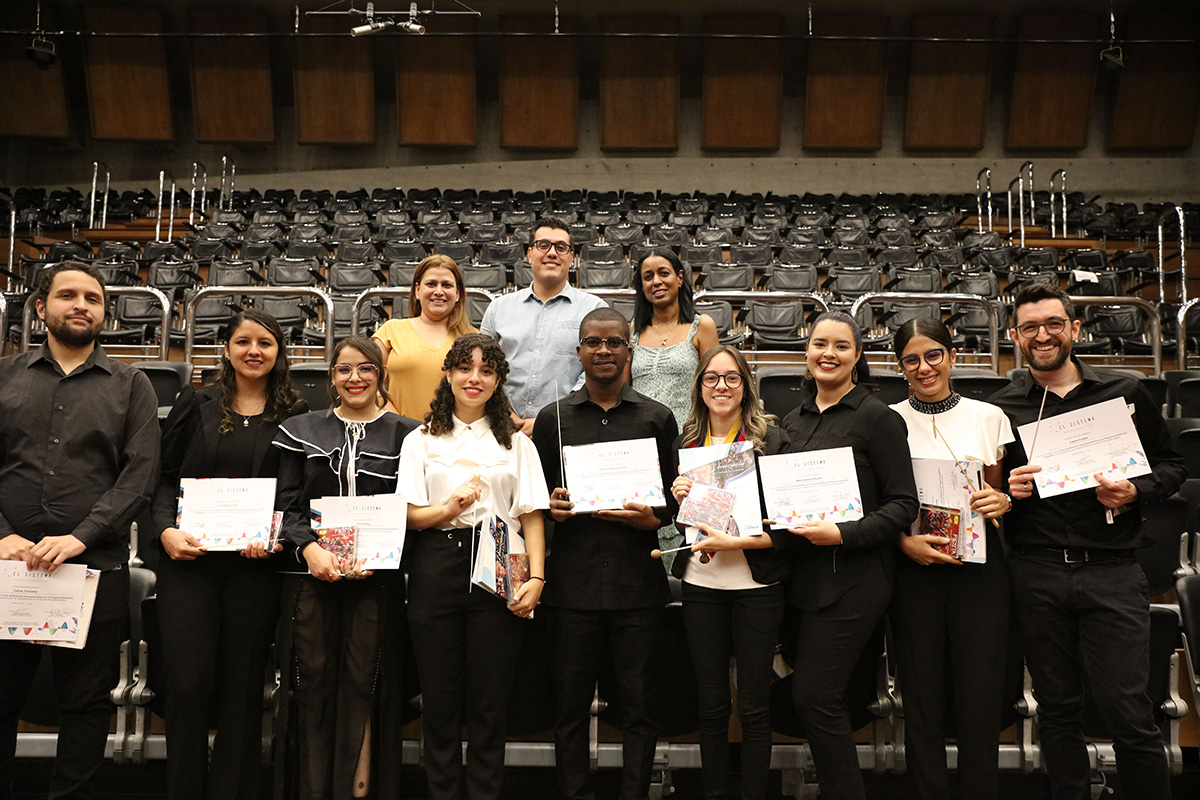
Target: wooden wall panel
843,101
231,78
948,83
743,84
1155,104
639,85
33,101
335,86
539,85
435,86
1053,83
127,86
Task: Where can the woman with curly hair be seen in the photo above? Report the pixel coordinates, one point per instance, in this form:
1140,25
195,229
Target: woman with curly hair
341,670
413,348
217,611
467,465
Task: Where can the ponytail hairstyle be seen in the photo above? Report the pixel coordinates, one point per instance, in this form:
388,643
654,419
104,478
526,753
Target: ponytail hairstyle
861,368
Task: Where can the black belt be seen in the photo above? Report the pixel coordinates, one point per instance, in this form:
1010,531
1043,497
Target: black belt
1075,555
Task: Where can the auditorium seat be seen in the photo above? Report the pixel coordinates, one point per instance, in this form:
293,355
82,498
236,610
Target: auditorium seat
721,312
489,277
788,277
775,326
728,277
462,253
293,272
604,274
354,277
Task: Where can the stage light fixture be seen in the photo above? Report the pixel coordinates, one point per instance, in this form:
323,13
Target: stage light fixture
42,53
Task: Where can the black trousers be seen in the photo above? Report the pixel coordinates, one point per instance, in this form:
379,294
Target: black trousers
466,643
744,624
1094,620
83,680
630,637
217,618
950,625
831,641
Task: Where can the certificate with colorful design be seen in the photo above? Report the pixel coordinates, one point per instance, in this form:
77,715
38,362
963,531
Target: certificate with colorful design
227,513
380,522
820,485
606,475
45,608
1072,448
728,466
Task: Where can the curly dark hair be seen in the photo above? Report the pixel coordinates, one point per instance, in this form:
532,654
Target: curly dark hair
281,395
439,421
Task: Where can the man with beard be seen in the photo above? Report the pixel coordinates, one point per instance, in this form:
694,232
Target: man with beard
79,442
1079,595
605,591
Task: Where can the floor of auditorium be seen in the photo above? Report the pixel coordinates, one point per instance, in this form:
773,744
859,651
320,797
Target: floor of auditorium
149,780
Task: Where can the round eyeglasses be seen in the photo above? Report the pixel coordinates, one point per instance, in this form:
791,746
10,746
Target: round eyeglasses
1054,326
912,362
710,379
545,245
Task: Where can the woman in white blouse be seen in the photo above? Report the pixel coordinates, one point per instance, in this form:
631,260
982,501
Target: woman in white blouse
950,619
469,475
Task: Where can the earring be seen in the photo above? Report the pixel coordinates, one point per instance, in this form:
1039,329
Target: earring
854,375
808,375
333,395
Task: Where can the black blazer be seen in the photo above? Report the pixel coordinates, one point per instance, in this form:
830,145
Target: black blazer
189,446
767,565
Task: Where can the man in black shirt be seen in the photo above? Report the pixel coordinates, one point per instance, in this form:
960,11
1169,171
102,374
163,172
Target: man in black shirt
79,442
605,590
1080,596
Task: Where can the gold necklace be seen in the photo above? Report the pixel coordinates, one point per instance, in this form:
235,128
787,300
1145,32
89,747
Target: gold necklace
654,330
246,417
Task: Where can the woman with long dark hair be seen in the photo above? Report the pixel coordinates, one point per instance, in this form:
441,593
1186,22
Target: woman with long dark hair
217,611
842,572
342,723
469,468
950,619
733,598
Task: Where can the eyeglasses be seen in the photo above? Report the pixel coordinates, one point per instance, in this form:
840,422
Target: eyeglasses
710,379
933,357
365,371
1054,326
544,246
594,342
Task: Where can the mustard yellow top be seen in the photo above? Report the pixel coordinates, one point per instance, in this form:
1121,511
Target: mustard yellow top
414,367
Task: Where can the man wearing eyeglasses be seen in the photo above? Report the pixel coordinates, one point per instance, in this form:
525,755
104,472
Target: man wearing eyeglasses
537,327
1079,595
605,591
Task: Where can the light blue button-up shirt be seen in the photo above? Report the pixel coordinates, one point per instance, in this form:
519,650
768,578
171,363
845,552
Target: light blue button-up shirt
539,340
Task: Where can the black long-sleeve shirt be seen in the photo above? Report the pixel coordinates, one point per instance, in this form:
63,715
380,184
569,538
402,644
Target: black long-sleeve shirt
879,439
594,563
1078,519
78,453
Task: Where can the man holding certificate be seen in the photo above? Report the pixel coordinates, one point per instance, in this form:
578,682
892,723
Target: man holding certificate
1076,586
79,437
605,590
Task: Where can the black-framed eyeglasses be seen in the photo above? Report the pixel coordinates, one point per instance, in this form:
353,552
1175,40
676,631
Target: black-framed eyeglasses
710,379
1054,326
363,370
912,362
594,342
545,245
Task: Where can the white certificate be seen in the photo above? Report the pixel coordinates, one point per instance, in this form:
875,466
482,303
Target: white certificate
227,513
811,487
41,607
1071,448
604,476
381,520
730,467
941,482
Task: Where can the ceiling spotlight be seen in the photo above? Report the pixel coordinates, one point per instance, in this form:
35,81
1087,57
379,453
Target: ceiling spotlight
412,26
372,26
41,52
1112,57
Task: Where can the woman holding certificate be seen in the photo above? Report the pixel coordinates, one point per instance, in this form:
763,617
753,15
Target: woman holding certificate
340,660
217,610
733,596
413,348
842,571
476,493
950,610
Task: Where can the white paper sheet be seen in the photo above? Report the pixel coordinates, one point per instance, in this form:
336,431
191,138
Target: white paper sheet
811,487
603,476
381,521
227,514
41,607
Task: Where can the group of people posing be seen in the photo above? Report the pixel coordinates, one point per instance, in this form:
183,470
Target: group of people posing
468,426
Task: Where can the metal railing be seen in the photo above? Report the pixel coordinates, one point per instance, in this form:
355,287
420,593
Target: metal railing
740,297
96,165
189,312
993,316
1062,175
228,174
9,282
1181,333
392,292
198,169
3,323
1020,182
162,175
983,195
163,347
1147,309
1162,269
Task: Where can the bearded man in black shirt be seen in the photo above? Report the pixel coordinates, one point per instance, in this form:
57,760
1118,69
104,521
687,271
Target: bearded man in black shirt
79,448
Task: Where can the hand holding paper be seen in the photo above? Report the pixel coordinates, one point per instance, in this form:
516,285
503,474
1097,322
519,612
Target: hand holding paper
637,515
923,549
1020,481
52,551
181,545
14,547
561,507
321,563
1114,494
823,533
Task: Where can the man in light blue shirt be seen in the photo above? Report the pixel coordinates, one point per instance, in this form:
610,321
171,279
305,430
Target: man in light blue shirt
538,327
